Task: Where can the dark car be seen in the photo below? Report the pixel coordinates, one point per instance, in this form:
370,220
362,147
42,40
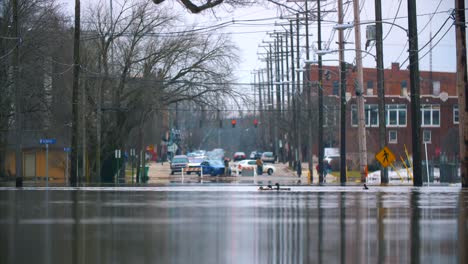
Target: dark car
178,163
212,167
239,156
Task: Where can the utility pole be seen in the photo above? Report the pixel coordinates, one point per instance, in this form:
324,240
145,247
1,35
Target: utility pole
359,95
414,82
260,101
282,113
83,132
75,96
278,96
380,84
270,93
309,101
320,97
342,95
299,104
282,75
293,138
18,109
462,88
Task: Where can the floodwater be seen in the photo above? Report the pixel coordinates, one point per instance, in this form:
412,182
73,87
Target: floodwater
234,224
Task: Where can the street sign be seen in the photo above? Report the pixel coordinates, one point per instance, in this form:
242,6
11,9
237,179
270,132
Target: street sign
172,148
385,157
47,141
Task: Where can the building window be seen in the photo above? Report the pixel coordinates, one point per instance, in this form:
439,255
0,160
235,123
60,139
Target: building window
436,88
395,115
392,136
430,115
455,115
336,88
371,115
426,136
354,118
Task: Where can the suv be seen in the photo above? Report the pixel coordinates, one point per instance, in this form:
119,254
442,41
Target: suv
268,157
178,163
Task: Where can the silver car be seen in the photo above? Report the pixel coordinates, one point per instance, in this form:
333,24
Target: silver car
268,157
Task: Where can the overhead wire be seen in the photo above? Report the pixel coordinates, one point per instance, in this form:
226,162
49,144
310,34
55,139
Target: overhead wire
432,38
430,20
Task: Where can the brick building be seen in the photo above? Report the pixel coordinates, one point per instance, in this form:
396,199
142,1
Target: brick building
439,111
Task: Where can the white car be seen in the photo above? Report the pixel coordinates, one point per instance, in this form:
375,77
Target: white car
239,166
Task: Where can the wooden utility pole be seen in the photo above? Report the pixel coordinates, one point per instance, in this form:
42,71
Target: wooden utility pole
320,97
462,88
18,109
293,97
380,84
341,45
359,95
278,97
75,97
414,87
299,101
306,80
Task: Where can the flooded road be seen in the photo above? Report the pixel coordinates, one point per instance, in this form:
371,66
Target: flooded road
234,224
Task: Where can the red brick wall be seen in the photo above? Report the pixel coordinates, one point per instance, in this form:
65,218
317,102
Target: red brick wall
442,137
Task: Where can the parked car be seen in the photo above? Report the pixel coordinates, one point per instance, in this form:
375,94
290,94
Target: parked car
268,157
255,155
212,167
194,164
178,163
239,156
267,168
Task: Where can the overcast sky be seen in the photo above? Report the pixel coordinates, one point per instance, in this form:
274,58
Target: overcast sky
251,25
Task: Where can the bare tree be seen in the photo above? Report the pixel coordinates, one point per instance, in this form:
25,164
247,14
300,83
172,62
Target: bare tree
151,68
42,35
201,5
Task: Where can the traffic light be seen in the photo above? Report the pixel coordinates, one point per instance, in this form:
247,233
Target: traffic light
255,122
233,123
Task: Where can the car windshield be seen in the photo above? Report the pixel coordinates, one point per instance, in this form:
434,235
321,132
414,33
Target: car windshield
192,160
216,162
180,160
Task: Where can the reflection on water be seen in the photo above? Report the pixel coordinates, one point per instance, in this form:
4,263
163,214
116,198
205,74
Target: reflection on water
233,224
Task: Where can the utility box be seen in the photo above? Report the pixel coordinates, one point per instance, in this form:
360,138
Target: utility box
370,32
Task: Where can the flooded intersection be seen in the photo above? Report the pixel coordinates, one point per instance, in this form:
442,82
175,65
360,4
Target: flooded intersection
234,224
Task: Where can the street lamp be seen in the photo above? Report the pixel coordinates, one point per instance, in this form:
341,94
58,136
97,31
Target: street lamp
351,25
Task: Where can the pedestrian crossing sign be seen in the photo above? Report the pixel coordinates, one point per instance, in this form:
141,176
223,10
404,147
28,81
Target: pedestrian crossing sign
385,157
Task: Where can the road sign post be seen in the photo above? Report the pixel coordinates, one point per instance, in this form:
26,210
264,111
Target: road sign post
132,158
46,142
117,170
385,157
67,151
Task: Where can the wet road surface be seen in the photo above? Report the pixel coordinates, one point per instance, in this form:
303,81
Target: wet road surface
234,224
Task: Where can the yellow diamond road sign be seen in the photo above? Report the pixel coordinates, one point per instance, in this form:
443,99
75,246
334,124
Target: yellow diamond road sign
385,157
